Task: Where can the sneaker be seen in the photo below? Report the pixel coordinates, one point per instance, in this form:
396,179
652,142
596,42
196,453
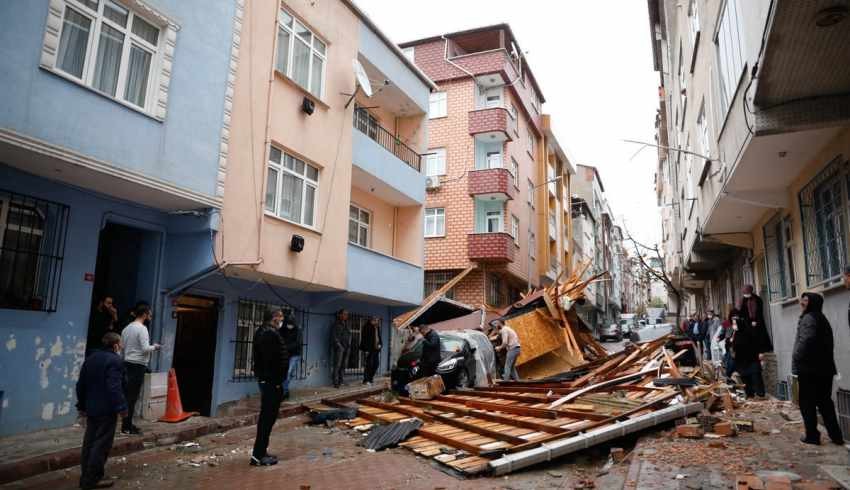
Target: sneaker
132,431
264,461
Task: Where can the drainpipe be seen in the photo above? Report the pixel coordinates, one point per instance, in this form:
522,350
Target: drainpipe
446,57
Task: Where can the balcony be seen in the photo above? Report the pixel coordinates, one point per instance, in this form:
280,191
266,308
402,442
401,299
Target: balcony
384,165
491,247
382,278
497,183
493,124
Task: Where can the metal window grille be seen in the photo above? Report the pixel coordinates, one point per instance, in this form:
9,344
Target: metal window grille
774,258
496,291
33,233
357,358
843,399
249,317
823,204
434,280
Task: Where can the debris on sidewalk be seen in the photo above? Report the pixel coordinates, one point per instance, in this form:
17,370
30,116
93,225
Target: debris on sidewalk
384,436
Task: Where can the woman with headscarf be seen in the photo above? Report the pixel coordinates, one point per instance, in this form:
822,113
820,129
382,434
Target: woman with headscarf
813,362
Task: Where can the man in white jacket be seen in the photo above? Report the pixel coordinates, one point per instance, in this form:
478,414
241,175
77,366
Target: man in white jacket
137,355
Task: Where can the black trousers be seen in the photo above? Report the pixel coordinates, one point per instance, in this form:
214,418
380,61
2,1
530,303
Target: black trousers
340,360
816,395
135,380
427,370
270,398
373,360
751,375
97,442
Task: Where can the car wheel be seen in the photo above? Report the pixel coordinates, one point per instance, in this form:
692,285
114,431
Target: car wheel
463,380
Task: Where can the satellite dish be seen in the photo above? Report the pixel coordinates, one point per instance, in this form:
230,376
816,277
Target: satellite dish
362,78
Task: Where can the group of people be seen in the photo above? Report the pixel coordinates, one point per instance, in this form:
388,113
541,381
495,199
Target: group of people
342,347
738,344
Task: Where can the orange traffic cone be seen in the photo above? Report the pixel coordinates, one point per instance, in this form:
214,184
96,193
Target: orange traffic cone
173,406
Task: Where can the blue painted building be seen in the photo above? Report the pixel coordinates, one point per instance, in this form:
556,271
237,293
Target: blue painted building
113,132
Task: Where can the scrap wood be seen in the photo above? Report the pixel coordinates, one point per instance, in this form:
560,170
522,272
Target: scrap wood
404,320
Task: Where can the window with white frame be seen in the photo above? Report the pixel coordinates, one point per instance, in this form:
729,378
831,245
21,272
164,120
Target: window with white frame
515,172
109,48
409,53
493,97
823,213
535,101
435,162
494,159
530,142
301,55
515,228
779,258
702,126
730,54
513,113
435,222
437,105
683,89
359,221
693,21
494,221
532,245
530,193
291,188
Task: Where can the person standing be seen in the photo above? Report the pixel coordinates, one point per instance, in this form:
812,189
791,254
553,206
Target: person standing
752,314
137,355
510,345
711,345
813,362
341,346
696,331
430,351
103,319
270,364
370,344
293,338
100,400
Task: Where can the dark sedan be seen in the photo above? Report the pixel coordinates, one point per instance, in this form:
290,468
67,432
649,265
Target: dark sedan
457,365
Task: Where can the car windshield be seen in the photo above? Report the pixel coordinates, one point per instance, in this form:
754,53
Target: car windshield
451,344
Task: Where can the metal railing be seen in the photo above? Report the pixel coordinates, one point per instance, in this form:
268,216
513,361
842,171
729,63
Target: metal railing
368,125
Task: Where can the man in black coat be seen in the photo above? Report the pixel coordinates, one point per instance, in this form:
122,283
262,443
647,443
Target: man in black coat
270,365
813,362
340,347
293,337
100,400
370,344
430,351
751,340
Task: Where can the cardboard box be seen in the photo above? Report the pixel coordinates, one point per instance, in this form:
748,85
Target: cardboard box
426,388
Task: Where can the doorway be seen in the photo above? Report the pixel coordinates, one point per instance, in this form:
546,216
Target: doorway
127,271
194,351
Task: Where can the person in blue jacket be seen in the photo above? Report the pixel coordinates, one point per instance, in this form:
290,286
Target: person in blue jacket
100,400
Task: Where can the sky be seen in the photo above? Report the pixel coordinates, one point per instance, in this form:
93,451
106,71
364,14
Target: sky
593,62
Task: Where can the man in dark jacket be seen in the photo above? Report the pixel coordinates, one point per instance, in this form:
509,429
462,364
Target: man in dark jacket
370,344
340,346
813,362
752,314
270,365
100,400
430,351
292,337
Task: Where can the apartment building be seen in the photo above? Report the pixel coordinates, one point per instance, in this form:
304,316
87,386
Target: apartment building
112,163
591,208
498,179
754,133
323,206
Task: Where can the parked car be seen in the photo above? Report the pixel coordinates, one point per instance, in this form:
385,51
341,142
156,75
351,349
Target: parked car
467,357
612,331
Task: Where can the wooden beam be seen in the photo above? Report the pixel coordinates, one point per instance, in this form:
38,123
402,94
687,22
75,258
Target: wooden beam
544,413
506,396
491,417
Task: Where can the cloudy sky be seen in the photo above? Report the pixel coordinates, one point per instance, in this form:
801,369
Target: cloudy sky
593,61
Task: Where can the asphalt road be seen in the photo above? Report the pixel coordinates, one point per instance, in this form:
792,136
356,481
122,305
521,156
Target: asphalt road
645,334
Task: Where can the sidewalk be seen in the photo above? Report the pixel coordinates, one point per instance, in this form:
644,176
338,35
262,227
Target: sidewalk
661,460
26,455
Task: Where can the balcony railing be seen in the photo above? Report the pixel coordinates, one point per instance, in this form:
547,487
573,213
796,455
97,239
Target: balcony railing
368,125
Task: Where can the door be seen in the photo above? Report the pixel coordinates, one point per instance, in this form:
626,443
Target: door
194,351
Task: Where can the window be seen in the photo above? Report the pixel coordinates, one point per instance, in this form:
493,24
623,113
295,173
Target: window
496,294
730,58
532,245
435,162
693,21
435,222
683,89
32,248
434,280
530,142
515,228
358,225
301,55
494,159
493,97
515,172
109,48
356,361
437,105
530,193
249,318
535,101
823,210
494,221
779,258
513,113
291,188
702,126
409,53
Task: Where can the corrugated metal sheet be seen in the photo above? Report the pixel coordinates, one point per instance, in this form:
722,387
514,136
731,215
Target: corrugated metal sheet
384,436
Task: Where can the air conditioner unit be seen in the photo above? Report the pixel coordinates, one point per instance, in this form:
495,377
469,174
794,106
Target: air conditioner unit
432,182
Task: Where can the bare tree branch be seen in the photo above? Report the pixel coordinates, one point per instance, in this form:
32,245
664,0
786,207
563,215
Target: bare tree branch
660,274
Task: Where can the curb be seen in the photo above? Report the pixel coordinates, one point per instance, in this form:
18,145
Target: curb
66,458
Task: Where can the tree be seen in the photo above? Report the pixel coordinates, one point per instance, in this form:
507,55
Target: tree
644,254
